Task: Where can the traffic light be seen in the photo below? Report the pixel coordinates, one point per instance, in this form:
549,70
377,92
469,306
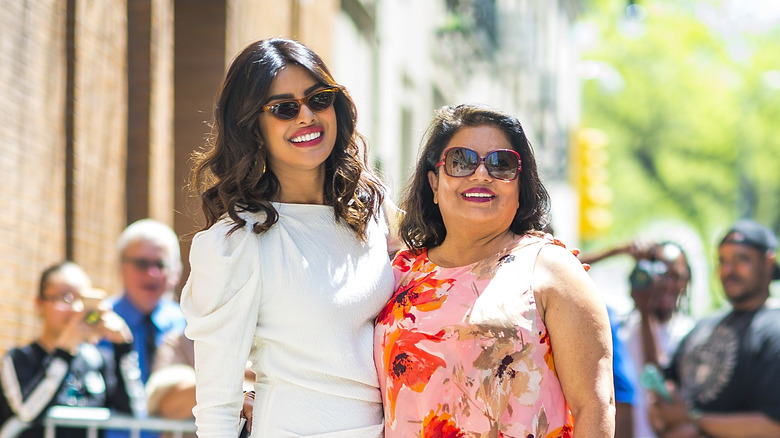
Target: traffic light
590,178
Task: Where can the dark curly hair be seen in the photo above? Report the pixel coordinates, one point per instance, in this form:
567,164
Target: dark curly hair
422,225
230,175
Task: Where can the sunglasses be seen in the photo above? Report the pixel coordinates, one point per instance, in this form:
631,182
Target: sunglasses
318,101
503,164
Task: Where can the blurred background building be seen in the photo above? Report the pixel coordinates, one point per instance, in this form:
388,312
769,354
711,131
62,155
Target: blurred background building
102,103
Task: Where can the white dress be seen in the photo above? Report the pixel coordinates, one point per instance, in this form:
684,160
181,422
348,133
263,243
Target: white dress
299,302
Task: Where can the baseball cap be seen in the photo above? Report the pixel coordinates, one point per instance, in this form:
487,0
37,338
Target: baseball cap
751,233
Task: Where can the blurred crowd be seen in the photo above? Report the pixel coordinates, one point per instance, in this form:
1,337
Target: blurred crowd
676,376
125,352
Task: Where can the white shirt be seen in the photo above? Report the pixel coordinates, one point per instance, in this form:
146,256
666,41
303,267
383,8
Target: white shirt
299,302
668,336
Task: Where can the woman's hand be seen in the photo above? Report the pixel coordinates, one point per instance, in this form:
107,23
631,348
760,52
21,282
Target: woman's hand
246,409
75,332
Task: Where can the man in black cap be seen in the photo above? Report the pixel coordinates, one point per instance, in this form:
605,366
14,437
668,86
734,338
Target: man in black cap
727,369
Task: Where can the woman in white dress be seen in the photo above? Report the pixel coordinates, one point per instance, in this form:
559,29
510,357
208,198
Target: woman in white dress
292,267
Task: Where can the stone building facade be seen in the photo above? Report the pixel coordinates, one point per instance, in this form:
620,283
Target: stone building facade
103,102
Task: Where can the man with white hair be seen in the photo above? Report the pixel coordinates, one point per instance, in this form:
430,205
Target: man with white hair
150,265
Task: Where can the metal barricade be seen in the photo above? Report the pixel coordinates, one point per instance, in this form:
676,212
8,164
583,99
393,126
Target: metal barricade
96,419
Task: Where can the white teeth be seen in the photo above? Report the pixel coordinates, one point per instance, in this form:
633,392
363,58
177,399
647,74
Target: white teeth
306,137
477,195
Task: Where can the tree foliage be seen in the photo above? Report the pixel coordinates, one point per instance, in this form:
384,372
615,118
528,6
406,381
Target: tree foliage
694,126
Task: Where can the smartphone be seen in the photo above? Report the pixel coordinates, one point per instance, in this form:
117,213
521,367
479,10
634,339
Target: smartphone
243,432
92,301
652,380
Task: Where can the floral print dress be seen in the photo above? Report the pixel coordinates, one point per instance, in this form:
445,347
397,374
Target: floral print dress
463,352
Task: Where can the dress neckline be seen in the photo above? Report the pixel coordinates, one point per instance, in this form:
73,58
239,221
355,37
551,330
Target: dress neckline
497,257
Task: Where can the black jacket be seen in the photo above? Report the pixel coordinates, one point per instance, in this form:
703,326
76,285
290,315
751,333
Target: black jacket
33,380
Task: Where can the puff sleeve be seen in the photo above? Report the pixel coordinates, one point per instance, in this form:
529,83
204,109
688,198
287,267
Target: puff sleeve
220,302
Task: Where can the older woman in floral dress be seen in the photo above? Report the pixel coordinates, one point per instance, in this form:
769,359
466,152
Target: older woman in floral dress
494,329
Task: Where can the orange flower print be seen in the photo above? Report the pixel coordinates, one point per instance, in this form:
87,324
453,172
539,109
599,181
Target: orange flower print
406,364
548,355
403,261
406,261
440,426
419,293
565,431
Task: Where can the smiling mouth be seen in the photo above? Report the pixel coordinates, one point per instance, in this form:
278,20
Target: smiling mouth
306,137
478,195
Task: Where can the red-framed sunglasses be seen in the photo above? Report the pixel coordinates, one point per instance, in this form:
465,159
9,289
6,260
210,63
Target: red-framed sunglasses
503,164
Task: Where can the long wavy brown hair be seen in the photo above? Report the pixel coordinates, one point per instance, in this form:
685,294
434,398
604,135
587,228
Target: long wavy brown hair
422,226
230,175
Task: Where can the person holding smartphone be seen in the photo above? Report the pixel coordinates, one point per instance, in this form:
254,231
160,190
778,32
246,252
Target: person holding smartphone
63,366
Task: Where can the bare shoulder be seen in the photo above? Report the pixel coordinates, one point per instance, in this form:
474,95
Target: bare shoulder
559,275
557,263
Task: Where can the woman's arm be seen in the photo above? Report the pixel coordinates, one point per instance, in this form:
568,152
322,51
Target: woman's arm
220,302
578,326
170,389
392,216
176,397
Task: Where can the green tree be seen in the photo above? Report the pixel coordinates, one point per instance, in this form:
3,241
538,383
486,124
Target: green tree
694,130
